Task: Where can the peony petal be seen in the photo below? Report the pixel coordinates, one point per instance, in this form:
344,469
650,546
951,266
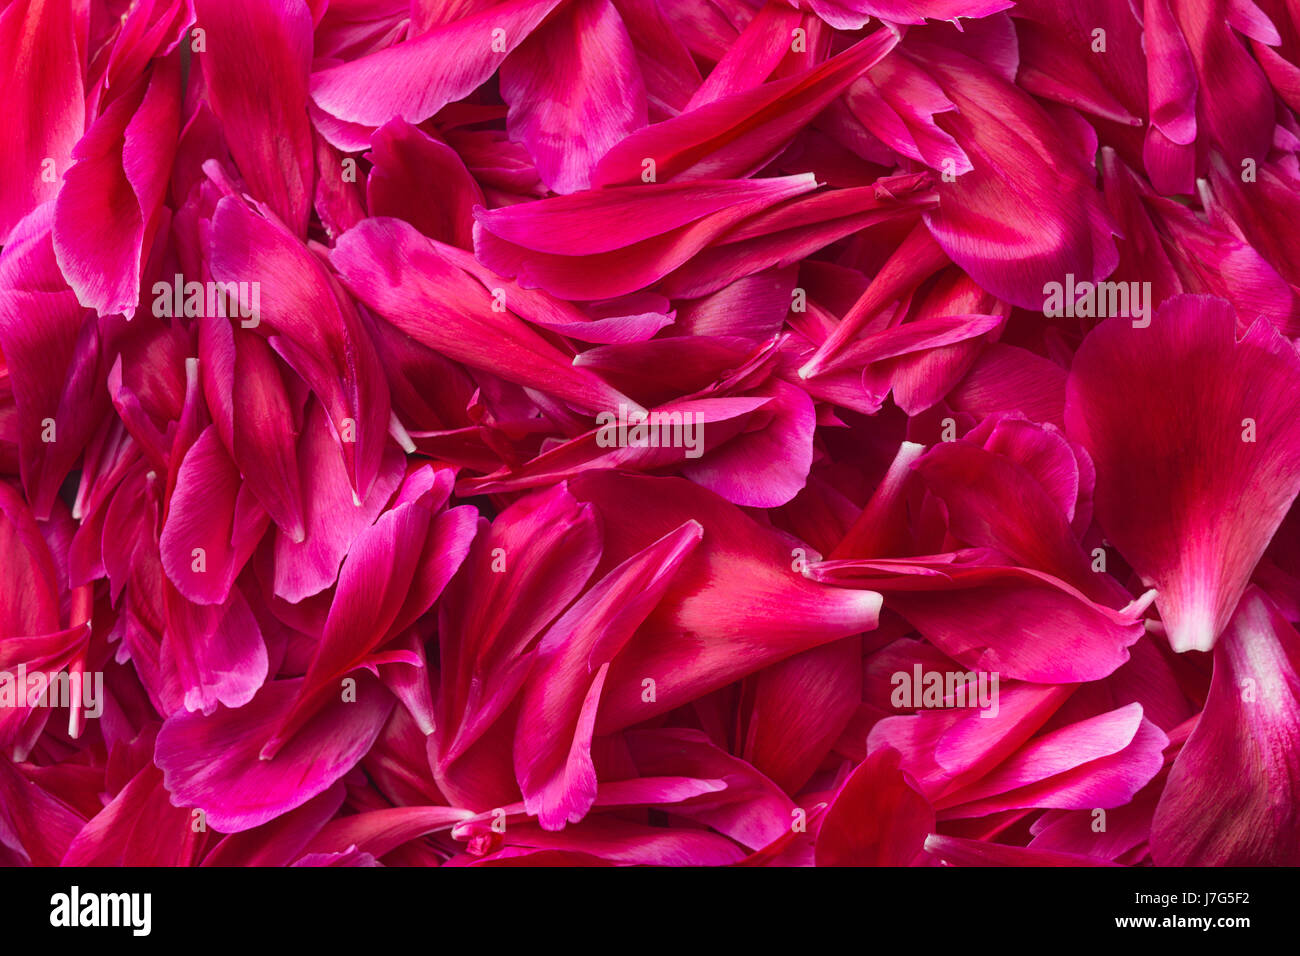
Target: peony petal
212,762
1247,735
417,178
213,523
1205,414
255,66
106,213
43,88
402,276
320,334
417,78
878,817
736,135
574,90
1028,178
558,709
718,620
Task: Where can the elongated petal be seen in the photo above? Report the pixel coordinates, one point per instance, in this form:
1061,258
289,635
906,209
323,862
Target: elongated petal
321,335
252,411
255,65
649,231
509,593
394,572
401,275
1100,762
417,78
957,851
1246,734
140,827
52,350
104,217
1052,221
43,88
558,709
36,827
1021,623
738,134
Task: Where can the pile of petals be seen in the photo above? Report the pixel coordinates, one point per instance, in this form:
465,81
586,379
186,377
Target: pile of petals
649,432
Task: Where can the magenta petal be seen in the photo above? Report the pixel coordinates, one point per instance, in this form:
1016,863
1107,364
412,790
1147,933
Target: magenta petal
36,827
750,60
738,134
956,851
768,464
255,65
801,706
897,101
1206,414
1021,623
1028,177
394,571
417,178
216,650
748,807
213,523
333,519
281,841
558,710
29,603
878,817
379,831
1171,74
402,275
574,90
1233,791
512,588
720,618
53,353
1099,762
212,762
918,11
106,211
42,90
1005,378
251,408
139,827
317,329
629,843
671,73
996,502
417,78
648,231
943,748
